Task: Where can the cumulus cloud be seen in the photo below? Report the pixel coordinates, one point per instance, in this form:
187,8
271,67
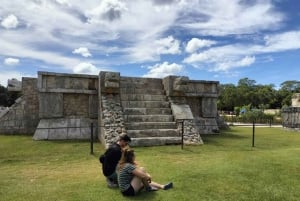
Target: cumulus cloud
107,10
86,68
10,22
11,61
164,69
83,51
168,45
194,44
151,51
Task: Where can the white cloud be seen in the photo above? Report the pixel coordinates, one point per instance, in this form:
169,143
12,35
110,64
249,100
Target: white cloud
283,41
223,17
83,51
194,44
135,31
163,70
10,22
86,68
168,45
11,61
151,51
228,65
223,58
107,10
63,2
247,61
227,57
50,58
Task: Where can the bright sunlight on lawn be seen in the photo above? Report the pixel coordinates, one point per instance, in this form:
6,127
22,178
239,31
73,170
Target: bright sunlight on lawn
225,168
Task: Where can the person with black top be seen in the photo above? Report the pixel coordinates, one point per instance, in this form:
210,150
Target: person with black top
110,160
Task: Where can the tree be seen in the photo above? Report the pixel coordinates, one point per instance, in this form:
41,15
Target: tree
292,86
247,92
228,97
3,96
8,98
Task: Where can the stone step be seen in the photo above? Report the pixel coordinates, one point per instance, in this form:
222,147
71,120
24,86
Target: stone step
153,133
151,91
147,111
145,104
142,97
154,141
148,118
150,125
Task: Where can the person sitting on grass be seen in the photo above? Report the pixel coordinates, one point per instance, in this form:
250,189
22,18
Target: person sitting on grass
110,160
133,179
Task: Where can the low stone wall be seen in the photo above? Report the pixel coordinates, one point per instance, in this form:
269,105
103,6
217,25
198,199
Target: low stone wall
71,128
291,117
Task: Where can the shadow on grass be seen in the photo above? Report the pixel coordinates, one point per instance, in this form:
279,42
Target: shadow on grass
143,195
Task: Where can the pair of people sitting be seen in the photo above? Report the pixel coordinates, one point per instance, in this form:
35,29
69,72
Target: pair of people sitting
130,178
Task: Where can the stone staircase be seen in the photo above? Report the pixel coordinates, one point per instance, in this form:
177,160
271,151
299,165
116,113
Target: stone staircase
147,113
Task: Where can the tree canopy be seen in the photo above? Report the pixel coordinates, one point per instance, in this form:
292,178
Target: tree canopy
247,92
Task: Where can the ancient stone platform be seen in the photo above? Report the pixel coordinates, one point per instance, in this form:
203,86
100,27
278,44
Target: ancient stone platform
59,106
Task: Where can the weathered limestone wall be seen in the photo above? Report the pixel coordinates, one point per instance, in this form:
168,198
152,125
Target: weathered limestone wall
110,115
68,105
201,97
22,117
296,100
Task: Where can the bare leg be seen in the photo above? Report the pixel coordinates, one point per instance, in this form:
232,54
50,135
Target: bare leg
156,185
152,184
137,184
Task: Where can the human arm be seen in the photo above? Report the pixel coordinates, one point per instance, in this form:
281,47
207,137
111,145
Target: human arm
140,172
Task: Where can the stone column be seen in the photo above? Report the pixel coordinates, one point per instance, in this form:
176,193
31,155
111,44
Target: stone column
110,117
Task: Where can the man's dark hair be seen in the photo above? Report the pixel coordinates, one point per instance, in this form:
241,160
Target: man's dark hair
125,137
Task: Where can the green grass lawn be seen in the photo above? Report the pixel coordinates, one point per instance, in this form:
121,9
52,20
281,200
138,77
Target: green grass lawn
226,167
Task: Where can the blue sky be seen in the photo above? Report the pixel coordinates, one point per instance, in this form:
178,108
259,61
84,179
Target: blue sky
219,40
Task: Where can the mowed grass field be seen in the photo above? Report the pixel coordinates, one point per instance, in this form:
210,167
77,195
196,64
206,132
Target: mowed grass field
225,168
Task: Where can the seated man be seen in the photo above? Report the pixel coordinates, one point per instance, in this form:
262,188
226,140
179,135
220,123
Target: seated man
110,159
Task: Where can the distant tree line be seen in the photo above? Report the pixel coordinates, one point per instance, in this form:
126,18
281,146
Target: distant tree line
256,96
8,98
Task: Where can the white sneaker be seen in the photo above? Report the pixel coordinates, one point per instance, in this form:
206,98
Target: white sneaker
111,184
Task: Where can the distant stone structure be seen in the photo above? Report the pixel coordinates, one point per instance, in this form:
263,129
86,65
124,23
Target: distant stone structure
152,111
291,115
14,85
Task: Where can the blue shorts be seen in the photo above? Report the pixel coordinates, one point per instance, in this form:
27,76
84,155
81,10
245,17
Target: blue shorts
129,192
